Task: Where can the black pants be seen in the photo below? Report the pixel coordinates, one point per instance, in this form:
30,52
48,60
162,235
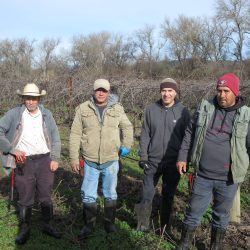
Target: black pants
170,179
36,179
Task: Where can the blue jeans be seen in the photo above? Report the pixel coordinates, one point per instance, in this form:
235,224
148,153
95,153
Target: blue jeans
91,180
204,190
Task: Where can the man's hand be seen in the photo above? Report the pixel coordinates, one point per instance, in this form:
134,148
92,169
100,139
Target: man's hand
124,151
75,167
182,167
54,166
20,155
144,165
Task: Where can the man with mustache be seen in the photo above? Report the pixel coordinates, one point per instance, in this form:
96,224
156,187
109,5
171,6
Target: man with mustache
218,138
100,133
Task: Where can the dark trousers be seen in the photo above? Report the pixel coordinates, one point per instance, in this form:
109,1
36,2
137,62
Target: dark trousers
37,179
170,179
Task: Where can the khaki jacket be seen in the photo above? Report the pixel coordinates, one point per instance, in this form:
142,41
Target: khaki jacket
96,138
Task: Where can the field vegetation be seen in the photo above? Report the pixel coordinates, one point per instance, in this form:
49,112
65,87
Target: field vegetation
194,51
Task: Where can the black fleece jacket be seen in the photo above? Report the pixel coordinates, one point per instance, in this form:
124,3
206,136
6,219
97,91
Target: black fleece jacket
162,132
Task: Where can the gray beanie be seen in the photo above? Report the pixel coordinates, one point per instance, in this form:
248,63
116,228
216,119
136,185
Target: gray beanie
169,83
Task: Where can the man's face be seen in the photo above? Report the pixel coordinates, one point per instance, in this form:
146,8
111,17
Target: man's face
225,97
168,95
31,103
101,96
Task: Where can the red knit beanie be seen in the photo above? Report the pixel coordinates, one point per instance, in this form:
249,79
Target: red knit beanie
231,81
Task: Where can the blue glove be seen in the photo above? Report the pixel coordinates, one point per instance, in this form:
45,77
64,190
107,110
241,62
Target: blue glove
124,151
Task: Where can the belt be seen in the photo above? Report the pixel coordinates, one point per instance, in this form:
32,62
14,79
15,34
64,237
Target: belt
36,157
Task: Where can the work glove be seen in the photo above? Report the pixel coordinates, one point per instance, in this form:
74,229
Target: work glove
124,151
20,164
144,165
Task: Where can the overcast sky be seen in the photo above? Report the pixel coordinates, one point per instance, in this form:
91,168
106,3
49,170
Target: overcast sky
38,19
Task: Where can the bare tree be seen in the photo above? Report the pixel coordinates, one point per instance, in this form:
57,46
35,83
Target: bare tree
16,58
119,53
183,36
216,37
46,55
235,14
149,49
88,52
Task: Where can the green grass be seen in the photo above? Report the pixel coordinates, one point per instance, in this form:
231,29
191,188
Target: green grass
245,200
125,238
131,168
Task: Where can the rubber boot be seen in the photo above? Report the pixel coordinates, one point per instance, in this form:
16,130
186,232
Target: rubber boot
187,235
25,218
89,216
48,223
217,236
143,212
109,216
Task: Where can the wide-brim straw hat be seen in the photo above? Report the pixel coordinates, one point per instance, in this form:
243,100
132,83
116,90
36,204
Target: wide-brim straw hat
30,89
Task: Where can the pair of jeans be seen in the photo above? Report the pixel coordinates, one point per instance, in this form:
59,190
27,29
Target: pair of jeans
221,193
91,180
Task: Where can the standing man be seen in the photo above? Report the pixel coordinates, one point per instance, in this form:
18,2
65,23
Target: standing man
163,128
219,140
103,132
30,143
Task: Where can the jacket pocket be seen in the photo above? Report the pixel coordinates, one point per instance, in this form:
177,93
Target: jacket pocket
111,118
89,119
241,129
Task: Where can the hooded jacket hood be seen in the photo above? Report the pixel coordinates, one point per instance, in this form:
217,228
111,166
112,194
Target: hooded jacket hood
112,99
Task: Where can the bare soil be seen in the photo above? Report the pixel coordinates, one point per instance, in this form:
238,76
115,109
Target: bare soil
237,236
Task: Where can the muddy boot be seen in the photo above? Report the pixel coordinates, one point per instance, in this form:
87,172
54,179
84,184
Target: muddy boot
109,216
48,223
187,235
143,212
89,215
217,236
25,218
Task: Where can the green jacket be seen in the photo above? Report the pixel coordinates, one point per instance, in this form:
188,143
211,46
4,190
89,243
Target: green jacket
239,155
99,138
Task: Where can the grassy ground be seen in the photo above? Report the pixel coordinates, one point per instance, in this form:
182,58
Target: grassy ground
68,213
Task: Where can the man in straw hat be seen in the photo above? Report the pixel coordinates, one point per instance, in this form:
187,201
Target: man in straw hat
30,143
